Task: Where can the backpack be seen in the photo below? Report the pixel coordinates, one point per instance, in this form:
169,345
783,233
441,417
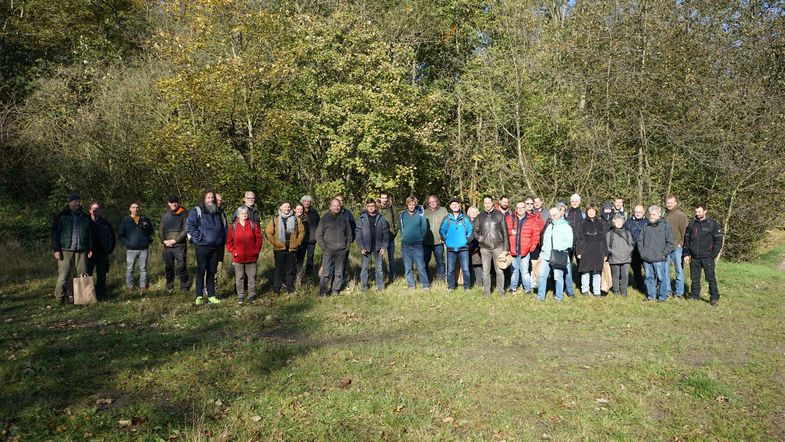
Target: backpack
198,220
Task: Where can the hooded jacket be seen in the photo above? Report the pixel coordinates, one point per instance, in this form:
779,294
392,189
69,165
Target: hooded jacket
635,226
456,232
656,241
528,230
413,226
367,235
206,229
491,230
620,246
244,242
333,232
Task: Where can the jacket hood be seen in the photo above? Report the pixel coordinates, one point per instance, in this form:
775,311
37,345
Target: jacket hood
607,205
457,217
418,210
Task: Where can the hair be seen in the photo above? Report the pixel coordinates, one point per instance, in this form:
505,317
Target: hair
536,198
370,201
554,210
471,210
671,197
134,202
334,200
487,196
618,198
639,205
242,209
503,197
206,191
95,202
575,197
299,205
306,198
411,199
528,198
384,193
618,216
701,206
285,202
592,206
655,208
434,196
245,195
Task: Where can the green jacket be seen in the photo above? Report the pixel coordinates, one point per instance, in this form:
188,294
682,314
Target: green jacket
391,217
63,228
435,218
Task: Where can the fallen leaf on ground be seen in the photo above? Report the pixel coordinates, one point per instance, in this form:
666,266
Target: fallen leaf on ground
448,420
256,418
124,422
345,382
602,401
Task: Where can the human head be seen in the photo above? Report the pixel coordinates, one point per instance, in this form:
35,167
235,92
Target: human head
671,202
411,203
95,209
655,212
135,209
285,207
173,202
700,211
208,197
520,208
249,198
340,199
639,212
555,213
219,200
472,212
299,209
562,208
575,201
335,205
528,203
455,205
504,202
242,213
433,202
74,202
591,211
370,206
618,203
384,199
487,203
537,202
306,201
618,221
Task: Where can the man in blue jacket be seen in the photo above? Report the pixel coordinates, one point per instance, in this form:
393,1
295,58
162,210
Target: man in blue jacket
373,236
135,233
456,232
206,229
414,227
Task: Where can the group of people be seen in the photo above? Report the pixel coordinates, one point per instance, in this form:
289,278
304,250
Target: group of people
514,247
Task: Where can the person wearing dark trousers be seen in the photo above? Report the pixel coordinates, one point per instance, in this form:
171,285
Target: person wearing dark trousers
103,244
334,237
349,216
313,223
491,232
414,227
302,251
456,232
372,235
702,243
432,245
286,233
72,245
635,225
387,210
205,226
174,239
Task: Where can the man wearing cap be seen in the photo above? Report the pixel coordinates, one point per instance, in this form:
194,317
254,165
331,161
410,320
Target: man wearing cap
71,244
173,236
135,233
456,232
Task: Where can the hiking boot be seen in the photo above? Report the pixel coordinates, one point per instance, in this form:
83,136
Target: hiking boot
213,300
199,300
715,302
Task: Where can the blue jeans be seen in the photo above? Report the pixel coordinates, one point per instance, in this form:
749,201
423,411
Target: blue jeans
520,271
463,255
542,280
678,265
378,267
568,283
596,281
437,250
657,273
413,256
391,258
131,256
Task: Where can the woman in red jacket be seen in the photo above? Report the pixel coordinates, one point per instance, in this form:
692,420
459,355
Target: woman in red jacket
244,241
523,227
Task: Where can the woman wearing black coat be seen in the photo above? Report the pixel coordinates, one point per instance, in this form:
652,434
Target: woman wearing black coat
591,249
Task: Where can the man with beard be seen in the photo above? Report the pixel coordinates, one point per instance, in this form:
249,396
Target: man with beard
72,237
387,210
702,244
655,244
206,228
490,230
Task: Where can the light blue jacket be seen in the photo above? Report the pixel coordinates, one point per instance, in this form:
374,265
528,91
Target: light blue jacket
558,235
456,231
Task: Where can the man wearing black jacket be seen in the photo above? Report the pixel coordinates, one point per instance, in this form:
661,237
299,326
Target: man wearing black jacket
135,233
334,236
702,244
313,224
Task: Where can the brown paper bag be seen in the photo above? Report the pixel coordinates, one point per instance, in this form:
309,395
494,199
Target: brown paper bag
607,279
535,275
459,277
84,290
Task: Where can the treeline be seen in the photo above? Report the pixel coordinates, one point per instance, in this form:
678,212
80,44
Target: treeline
138,99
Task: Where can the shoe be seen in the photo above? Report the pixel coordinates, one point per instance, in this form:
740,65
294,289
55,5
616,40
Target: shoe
252,299
213,300
715,303
199,300
240,300
450,290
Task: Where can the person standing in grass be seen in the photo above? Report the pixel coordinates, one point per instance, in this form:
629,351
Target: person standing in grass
702,244
173,236
414,227
334,237
432,244
558,237
456,232
286,233
620,247
313,218
474,249
655,244
387,210
219,203
243,242
349,216
72,245
491,232
103,245
135,233
635,225
591,250
372,235
678,221
523,227
573,215
207,231
302,251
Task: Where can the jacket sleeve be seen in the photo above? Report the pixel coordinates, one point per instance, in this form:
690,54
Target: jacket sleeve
578,238
161,228
56,245
349,234
719,238
319,235
505,235
670,242
257,237
687,238
123,232
535,241
469,230
300,232
358,234
605,245
639,242
570,236
230,241
191,227
394,224
443,229
112,238
385,242
269,233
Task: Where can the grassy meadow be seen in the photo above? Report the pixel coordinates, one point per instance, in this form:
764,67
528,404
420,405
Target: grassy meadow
397,365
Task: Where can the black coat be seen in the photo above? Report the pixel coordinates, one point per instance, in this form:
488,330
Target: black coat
591,244
703,239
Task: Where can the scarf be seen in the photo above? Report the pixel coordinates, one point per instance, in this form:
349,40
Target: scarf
286,225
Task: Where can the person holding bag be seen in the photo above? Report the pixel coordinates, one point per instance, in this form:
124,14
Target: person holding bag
556,243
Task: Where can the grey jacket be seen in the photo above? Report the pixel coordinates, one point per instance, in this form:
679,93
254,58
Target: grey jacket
334,232
620,246
656,241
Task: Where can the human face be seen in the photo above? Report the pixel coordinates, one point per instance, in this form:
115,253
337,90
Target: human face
306,204
340,198
433,203
671,204
556,216
384,199
562,210
618,223
700,213
504,203
173,206
286,208
411,205
335,206
370,208
134,209
575,203
653,216
249,199
75,205
219,200
299,210
591,212
529,204
520,209
455,207
209,198
242,215
639,212
537,203
487,203
95,211
618,204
